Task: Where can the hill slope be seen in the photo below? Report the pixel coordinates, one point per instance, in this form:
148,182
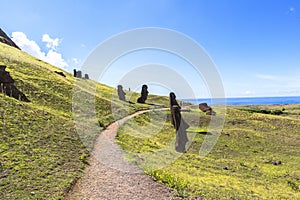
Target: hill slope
43,150
257,155
6,40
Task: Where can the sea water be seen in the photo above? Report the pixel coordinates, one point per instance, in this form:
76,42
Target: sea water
248,101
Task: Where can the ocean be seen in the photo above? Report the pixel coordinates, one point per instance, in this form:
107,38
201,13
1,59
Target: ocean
248,101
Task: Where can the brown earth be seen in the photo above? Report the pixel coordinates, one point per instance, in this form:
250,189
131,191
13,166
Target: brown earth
109,176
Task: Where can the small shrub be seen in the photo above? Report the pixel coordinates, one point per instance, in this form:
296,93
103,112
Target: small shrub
293,185
265,111
277,112
84,158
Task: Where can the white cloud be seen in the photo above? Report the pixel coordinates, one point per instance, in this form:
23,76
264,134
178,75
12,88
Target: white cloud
55,59
51,43
32,48
27,45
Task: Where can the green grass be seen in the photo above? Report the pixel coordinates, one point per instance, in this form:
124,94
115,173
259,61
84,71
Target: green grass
43,150
244,164
44,144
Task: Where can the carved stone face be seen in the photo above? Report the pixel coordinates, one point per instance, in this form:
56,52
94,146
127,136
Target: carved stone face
144,87
172,96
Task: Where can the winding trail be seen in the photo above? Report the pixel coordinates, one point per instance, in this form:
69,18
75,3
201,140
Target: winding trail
109,176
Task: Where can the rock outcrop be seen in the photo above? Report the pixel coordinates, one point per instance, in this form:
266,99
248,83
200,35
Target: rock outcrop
8,87
6,40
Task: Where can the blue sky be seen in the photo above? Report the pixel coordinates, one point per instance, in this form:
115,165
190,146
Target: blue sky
255,44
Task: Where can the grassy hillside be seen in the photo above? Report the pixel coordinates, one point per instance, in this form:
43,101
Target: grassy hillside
42,149
257,155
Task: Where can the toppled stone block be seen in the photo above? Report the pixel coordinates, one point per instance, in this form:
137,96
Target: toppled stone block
207,109
60,73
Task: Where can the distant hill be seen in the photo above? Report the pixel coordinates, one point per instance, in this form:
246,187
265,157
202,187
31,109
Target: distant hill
6,40
42,153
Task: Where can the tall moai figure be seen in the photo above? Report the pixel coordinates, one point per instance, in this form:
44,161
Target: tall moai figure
179,124
144,94
86,76
121,93
74,73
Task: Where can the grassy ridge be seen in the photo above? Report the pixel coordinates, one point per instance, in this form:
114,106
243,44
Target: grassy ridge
256,157
44,144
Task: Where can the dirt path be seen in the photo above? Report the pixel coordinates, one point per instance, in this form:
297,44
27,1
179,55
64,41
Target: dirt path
109,176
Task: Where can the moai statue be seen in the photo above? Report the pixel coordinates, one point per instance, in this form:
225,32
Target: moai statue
144,94
79,74
179,124
121,93
173,101
74,73
86,76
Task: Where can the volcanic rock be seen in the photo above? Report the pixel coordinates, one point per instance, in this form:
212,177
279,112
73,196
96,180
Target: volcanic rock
7,85
6,40
207,109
